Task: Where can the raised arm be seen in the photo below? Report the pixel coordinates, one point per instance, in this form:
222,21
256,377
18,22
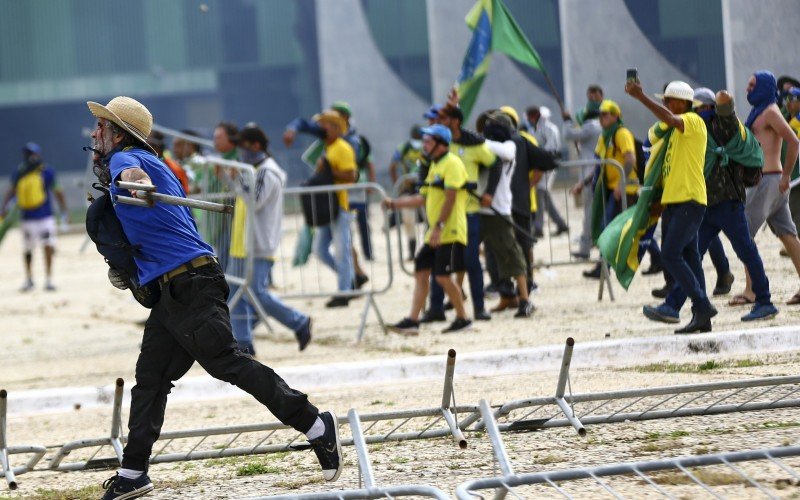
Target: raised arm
634,89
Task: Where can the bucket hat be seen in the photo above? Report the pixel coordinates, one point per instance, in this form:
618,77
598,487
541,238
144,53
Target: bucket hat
127,113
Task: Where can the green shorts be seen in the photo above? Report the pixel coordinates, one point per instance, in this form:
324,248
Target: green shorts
497,234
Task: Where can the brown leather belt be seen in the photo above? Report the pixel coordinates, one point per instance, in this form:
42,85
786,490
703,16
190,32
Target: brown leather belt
201,261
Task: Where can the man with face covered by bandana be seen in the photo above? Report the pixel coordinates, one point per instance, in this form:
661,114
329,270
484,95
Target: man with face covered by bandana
725,188
190,322
769,200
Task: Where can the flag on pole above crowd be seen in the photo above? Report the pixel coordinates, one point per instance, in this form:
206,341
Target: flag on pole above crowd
493,29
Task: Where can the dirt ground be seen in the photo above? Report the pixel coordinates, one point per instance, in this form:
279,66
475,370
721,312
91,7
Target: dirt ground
87,334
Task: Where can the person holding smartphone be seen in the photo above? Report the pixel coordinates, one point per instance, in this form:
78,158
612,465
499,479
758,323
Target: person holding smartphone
683,199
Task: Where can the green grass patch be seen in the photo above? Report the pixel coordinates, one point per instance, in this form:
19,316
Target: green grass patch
709,477
710,365
257,468
297,483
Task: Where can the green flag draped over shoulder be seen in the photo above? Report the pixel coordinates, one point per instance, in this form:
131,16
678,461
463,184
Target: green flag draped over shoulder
493,28
9,220
743,148
619,241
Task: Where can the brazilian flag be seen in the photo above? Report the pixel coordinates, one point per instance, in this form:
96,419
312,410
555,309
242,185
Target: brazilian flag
619,241
493,28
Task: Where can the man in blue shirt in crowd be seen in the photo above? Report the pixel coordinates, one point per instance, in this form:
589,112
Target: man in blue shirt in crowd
191,321
32,184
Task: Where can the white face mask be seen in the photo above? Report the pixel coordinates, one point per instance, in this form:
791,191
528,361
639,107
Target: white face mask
415,143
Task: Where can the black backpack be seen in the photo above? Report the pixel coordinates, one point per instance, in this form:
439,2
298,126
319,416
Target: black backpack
320,209
105,230
641,161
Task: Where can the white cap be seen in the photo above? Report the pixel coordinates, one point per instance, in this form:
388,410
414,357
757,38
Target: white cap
679,90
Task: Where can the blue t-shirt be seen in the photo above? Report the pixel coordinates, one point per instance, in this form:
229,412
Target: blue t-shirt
167,234
45,209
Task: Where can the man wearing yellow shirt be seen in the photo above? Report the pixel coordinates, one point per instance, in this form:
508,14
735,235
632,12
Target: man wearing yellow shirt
684,194
615,143
480,163
340,157
445,198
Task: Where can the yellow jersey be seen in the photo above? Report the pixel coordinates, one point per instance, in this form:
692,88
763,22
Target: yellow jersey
341,157
473,156
622,144
682,172
447,173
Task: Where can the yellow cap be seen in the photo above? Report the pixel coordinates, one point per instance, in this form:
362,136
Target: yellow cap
512,113
609,106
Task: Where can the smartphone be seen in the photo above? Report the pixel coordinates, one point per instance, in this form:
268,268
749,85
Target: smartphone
632,75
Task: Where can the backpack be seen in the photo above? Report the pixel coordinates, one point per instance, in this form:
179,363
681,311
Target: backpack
105,230
30,189
641,159
320,209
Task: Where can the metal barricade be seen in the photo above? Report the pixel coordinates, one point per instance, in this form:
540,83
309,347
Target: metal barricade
564,409
638,484
559,258
407,225
366,475
311,280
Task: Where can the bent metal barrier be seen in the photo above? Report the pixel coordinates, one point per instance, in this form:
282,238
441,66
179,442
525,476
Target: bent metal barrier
635,481
228,182
563,409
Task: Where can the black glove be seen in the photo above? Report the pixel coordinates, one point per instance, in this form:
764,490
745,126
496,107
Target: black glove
119,279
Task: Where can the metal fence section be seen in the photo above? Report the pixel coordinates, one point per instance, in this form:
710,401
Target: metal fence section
637,483
254,439
367,477
579,410
35,453
408,225
300,277
563,409
312,279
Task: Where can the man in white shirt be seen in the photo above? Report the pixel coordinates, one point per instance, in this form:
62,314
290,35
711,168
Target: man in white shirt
549,138
267,217
497,231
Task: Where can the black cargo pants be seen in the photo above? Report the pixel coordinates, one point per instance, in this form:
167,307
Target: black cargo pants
191,323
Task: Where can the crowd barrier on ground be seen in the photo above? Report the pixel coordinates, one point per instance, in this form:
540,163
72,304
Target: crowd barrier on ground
447,419
635,473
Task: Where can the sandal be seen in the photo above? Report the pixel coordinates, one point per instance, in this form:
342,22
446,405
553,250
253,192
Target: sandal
794,300
742,300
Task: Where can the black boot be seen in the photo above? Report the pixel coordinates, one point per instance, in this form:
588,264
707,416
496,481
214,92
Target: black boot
701,321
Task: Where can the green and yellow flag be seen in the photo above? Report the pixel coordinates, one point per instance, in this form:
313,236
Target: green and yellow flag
493,28
619,241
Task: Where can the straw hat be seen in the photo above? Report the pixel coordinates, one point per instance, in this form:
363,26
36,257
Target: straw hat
331,116
679,90
129,114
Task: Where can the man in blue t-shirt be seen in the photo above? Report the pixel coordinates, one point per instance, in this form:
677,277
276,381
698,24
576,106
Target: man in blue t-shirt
32,185
191,321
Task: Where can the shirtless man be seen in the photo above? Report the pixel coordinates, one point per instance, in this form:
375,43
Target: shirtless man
769,200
